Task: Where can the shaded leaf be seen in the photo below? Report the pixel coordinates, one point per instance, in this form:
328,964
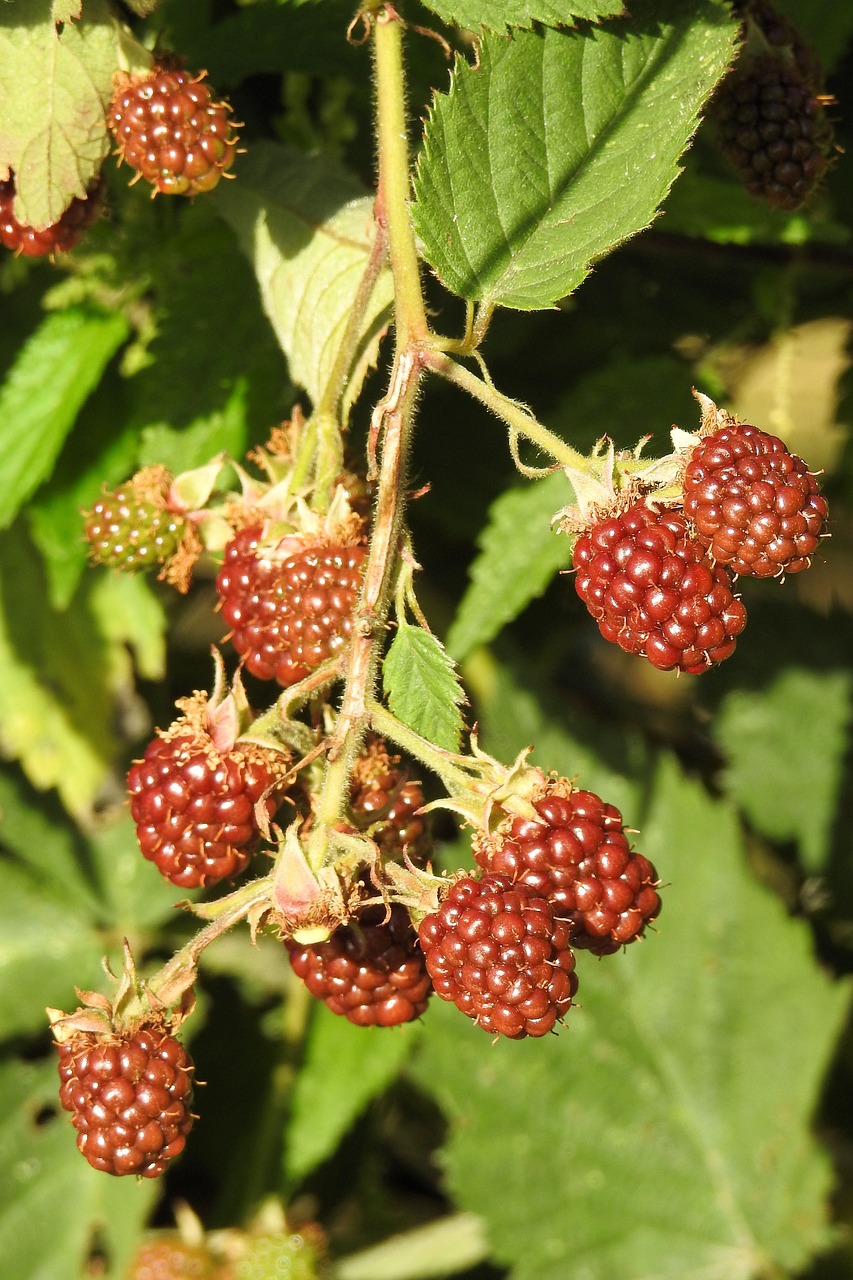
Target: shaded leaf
344,1067
307,227
422,686
497,14
54,373
785,748
519,555
559,146
675,1083
54,96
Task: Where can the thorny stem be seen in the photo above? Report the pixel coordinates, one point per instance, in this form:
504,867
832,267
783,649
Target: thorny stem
514,414
392,424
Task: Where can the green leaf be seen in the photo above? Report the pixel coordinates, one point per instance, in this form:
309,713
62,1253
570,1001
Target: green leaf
519,555
54,1204
54,95
50,945
59,676
442,1248
785,748
343,1069
559,146
307,226
667,1130
54,373
422,686
498,14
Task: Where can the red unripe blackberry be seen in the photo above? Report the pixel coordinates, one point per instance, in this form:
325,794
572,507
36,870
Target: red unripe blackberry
287,616
57,238
166,1256
371,971
128,531
577,856
129,1098
194,807
501,953
385,801
169,128
753,504
653,590
773,128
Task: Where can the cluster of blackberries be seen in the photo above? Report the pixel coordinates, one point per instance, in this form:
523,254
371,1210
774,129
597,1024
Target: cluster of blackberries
167,127
659,580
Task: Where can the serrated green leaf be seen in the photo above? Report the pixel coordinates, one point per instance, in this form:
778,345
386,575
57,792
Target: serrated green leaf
344,1067
498,14
132,620
559,146
66,10
307,227
667,1131
785,748
519,555
37,831
422,686
180,450
54,373
54,96
53,1201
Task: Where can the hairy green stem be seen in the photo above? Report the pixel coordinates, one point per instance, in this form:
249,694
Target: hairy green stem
442,763
392,426
513,414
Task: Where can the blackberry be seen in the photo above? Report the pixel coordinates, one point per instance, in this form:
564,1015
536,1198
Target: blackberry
194,807
61,236
577,856
501,954
653,590
370,971
169,128
288,615
384,801
166,1256
132,527
753,504
772,127
129,1098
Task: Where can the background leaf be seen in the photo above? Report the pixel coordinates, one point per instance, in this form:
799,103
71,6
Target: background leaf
559,146
422,686
43,392
665,1106
791,740
519,554
307,227
341,1071
496,15
54,95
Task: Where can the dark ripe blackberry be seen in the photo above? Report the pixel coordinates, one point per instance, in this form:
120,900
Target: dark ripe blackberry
128,531
385,801
501,954
57,238
577,856
653,590
370,971
753,504
288,616
129,1098
168,127
194,808
773,128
